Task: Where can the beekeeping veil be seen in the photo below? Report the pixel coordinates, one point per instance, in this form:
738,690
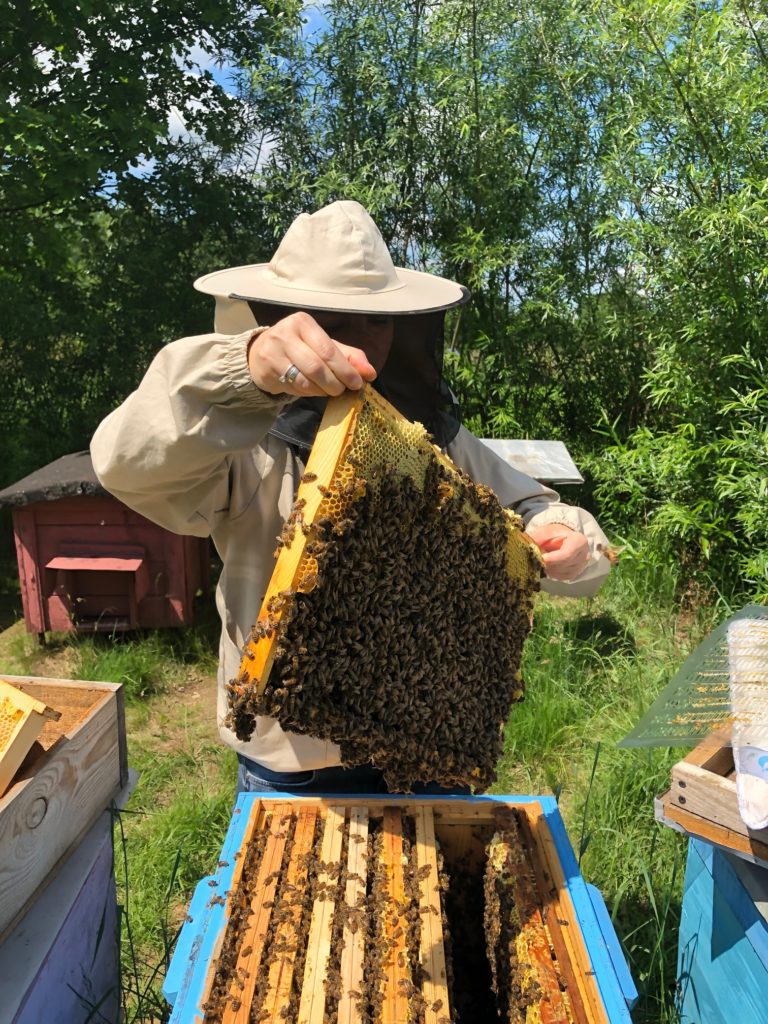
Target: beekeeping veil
336,259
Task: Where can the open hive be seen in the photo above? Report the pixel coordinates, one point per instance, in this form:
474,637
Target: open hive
416,912
395,618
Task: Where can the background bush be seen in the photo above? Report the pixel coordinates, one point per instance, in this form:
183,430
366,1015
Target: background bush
595,171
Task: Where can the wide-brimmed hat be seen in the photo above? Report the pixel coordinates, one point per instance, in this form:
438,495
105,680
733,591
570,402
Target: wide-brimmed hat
334,259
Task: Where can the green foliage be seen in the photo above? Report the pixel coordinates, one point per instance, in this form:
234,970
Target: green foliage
596,174
145,666
699,490
108,214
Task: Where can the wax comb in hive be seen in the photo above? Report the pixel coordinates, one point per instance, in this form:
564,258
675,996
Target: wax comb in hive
394,621
21,721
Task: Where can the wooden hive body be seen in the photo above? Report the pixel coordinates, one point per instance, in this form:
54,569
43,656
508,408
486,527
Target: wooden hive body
372,910
723,938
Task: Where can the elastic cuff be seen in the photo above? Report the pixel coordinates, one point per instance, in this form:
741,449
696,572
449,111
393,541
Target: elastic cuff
238,376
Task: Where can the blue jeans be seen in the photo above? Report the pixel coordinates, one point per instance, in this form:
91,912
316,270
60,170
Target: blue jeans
253,777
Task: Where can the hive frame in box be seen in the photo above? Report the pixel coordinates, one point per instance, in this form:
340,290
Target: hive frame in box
573,910
701,801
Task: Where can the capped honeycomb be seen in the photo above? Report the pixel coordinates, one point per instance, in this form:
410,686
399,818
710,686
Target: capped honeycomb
397,612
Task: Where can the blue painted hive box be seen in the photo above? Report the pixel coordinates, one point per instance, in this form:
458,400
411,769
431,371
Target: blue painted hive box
396,909
723,939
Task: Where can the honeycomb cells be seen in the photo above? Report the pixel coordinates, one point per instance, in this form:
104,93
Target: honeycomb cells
10,716
402,637
378,444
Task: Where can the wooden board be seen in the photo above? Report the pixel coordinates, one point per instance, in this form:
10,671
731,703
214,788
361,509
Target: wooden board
332,436
435,988
395,1010
562,912
723,943
246,972
312,1005
55,799
63,957
282,969
354,937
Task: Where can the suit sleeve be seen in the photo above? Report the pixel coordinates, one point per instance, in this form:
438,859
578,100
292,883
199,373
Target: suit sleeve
167,451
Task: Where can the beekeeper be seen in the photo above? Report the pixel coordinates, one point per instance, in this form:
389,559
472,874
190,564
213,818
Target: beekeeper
215,438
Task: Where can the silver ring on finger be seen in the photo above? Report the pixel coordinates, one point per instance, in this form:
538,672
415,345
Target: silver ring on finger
290,374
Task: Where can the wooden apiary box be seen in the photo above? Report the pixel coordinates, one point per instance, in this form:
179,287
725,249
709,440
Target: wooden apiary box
88,562
67,780
701,801
61,963
723,939
383,910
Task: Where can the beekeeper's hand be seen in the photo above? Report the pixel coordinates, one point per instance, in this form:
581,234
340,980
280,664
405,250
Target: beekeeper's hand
565,552
314,355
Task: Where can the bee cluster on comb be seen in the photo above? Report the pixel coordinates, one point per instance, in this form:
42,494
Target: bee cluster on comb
400,635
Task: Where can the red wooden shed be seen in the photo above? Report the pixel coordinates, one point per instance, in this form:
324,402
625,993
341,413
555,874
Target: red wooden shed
88,562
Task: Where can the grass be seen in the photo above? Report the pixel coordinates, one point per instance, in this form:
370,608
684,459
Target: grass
591,669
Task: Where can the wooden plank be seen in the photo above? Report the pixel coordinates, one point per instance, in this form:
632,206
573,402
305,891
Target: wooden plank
65,952
708,795
312,1005
338,420
395,1008
282,968
354,936
56,800
25,536
245,974
512,862
573,940
752,848
550,910
255,824
432,952
713,753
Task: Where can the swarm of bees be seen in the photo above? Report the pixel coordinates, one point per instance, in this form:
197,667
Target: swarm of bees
487,892
401,638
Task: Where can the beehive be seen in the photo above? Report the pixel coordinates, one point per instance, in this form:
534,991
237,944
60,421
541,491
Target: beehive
382,911
21,721
394,621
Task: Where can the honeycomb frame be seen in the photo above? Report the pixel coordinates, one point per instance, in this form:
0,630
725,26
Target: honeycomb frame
406,588
326,490
21,722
